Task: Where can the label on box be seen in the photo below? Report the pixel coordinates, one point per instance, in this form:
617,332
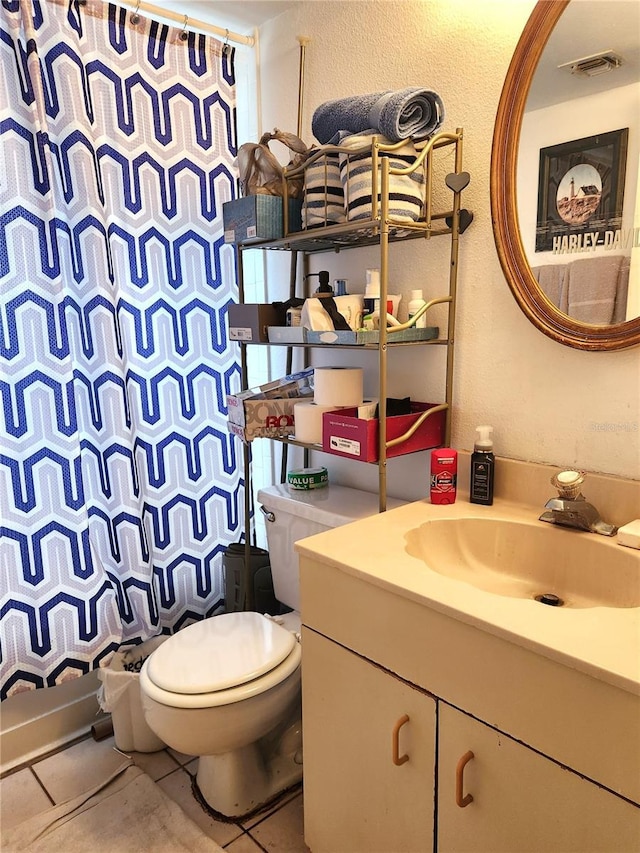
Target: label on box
344,445
230,236
252,231
239,334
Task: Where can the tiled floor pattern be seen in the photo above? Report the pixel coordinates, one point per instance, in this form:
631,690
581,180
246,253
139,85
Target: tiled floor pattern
77,768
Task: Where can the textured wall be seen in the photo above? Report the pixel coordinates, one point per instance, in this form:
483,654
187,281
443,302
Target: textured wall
548,403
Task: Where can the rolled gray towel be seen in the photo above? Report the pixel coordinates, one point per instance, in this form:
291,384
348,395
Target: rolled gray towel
413,113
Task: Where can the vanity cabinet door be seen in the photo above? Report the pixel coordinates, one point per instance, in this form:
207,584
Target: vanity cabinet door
361,795
522,801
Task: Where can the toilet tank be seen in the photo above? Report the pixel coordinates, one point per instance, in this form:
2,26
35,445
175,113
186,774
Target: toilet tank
291,515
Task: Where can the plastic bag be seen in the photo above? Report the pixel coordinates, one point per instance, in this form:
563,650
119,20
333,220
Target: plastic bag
123,672
261,173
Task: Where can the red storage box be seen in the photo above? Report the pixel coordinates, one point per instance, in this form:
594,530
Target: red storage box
344,434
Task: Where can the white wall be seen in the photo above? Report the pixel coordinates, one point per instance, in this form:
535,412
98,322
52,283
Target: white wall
548,403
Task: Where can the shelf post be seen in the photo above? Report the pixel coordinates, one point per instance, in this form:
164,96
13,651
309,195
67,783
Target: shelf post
453,279
249,599
382,347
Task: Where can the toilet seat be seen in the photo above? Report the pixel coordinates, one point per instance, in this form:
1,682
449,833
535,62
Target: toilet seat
220,660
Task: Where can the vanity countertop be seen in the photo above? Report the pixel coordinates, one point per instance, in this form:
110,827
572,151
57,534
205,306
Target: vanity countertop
603,642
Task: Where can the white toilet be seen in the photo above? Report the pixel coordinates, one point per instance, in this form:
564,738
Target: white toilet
228,688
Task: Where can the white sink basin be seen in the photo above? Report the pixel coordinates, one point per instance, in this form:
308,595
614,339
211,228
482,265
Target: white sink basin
527,560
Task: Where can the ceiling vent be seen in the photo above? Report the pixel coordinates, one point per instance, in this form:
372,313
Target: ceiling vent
591,66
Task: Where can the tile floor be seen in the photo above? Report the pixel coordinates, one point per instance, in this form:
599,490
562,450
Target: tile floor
69,772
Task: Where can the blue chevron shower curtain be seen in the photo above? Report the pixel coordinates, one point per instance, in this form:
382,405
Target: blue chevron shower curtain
119,484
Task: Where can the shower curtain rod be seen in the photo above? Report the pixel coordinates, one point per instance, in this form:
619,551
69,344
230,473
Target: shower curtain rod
188,22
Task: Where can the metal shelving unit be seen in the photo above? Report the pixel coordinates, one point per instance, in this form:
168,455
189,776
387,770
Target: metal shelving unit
382,230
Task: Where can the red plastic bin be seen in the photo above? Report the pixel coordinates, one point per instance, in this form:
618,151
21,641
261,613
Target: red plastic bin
344,434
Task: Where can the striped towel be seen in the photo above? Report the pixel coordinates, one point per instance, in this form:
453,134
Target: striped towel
406,192
323,194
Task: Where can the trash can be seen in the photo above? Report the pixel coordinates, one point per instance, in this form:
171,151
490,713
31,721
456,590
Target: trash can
264,595
119,695
234,582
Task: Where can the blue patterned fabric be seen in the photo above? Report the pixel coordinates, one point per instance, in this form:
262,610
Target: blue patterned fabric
119,484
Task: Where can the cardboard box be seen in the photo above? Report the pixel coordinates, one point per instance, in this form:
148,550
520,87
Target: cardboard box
249,322
267,411
255,218
344,434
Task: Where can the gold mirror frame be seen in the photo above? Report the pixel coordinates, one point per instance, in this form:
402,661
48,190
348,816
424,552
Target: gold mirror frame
506,228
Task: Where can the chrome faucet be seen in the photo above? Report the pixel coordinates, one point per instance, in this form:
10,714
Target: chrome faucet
571,509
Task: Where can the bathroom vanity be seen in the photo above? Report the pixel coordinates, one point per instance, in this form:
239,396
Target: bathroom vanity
439,715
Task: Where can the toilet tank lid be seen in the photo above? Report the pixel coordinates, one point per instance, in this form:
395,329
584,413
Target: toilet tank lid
331,506
219,652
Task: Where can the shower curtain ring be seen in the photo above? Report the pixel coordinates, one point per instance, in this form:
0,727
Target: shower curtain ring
184,35
225,46
135,18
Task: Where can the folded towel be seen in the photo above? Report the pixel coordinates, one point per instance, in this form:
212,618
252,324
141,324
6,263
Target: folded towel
406,192
413,113
593,286
552,281
622,291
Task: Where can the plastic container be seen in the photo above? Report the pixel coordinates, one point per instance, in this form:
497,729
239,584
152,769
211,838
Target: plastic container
233,565
444,475
415,304
119,695
372,283
482,467
294,316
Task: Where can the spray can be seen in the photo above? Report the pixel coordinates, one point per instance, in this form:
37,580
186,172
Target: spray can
444,475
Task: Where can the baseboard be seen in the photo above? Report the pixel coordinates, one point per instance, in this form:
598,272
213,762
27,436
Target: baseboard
35,723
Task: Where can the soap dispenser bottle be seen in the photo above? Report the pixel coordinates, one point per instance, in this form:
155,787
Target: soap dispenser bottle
482,467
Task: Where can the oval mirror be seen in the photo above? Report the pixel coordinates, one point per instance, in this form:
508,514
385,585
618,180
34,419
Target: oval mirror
570,249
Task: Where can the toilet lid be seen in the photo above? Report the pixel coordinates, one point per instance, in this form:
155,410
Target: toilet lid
220,652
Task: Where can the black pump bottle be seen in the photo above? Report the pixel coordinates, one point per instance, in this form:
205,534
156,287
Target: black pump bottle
482,467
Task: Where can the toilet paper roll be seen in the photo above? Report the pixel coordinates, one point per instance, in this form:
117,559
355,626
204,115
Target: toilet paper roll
307,417
368,409
337,386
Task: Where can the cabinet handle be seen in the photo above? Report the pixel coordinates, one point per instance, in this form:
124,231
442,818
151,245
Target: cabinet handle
461,800
395,741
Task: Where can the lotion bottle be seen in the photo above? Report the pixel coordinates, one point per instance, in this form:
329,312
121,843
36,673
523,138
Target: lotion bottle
482,467
415,304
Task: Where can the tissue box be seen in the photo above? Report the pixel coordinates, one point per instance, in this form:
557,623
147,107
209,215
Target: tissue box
266,419
344,434
249,322
363,336
255,218
267,411
287,334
